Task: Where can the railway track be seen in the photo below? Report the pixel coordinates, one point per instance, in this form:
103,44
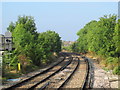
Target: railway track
89,75
60,79
81,77
60,75
88,80
42,76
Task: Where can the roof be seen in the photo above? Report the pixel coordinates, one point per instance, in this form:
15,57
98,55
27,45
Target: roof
1,35
8,34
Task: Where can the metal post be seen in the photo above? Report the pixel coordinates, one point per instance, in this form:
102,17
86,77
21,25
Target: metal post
8,51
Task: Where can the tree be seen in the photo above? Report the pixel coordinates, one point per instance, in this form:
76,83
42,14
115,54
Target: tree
30,46
28,23
11,27
97,36
116,38
102,38
24,38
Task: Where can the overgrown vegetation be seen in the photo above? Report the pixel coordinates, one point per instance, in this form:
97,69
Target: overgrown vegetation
32,49
102,38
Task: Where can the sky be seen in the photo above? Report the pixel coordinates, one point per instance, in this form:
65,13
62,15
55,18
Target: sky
65,18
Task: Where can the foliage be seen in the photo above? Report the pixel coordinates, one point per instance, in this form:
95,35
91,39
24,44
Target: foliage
74,47
50,40
116,70
31,48
101,37
48,43
11,27
66,48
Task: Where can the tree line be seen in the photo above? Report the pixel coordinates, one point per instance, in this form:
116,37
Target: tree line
30,47
101,37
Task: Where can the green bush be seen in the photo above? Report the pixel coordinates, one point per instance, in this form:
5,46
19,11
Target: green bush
116,70
110,60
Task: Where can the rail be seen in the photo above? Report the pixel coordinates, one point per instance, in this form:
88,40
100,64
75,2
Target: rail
27,80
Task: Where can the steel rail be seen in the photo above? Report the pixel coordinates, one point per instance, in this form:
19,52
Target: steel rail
91,75
46,84
87,79
62,68
26,80
88,76
68,78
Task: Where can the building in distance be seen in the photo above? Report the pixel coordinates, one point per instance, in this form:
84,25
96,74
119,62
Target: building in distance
6,41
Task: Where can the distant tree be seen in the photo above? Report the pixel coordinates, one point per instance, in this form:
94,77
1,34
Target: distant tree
11,27
74,47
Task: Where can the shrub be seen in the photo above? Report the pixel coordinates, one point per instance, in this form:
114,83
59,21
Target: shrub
116,70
